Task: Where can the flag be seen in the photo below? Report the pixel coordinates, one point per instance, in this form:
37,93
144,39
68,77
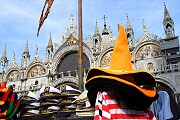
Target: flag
44,14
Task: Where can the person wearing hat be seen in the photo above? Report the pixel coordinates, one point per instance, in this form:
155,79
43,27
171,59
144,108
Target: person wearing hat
120,92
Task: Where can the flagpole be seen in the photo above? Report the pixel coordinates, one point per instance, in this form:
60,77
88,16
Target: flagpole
80,53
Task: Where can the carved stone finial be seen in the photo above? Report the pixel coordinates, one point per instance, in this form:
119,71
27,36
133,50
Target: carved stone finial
144,26
13,56
36,50
71,21
126,15
104,18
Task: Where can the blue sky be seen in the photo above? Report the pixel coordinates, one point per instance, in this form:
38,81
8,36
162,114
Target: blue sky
19,20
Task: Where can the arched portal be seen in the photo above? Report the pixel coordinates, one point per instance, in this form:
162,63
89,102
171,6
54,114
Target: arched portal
163,87
70,62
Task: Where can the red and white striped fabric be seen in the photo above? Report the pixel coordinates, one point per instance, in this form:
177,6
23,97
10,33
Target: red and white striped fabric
107,108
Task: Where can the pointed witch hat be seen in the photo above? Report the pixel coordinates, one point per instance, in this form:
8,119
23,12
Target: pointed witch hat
134,87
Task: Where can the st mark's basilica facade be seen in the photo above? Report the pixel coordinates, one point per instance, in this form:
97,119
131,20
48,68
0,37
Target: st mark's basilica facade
159,56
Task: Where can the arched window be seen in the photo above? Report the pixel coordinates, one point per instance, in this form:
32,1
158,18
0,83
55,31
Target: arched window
36,82
150,66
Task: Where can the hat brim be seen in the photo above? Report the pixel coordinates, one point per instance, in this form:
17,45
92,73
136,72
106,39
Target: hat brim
62,114
49,104
132,95
27,114
67,101
141,77
28,98
69,110
27,102
25,109
48,111
47,95
68,93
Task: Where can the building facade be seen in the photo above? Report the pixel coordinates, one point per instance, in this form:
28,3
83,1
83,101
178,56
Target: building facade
159,56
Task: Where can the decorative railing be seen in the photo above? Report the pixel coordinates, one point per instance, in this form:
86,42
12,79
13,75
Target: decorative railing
63,76
69,73
165,68
173,56
28,88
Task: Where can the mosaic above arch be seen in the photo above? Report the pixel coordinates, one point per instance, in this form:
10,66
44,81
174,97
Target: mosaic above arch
148,51
13,76
106,59
35,71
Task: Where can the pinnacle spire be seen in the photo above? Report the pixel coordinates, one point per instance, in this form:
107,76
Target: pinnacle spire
128,25
168,23
4,56
167,17
129,31
50,44
96,30
26,50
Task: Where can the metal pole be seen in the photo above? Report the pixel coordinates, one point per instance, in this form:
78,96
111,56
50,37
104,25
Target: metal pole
80,54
